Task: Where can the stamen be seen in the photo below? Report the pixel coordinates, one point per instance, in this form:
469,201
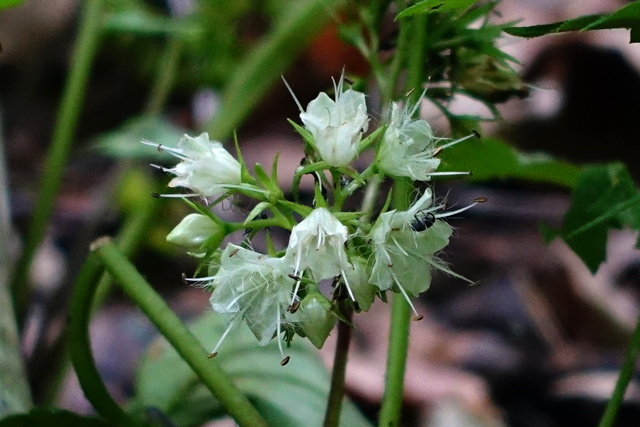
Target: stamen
295,292
404,293
163,169
214,352
475,202
292,94
346,283
285,360
293,307
456,141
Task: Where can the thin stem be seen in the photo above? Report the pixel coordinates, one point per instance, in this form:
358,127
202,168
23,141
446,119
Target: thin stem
172,328
336,393
264,66
626,372
398,338
165,77
81,355
400,310
84,52
14,387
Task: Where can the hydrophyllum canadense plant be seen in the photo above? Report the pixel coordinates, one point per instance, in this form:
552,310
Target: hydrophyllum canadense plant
277,293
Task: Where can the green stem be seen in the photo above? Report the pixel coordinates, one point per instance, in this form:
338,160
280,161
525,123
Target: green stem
626,372
82,358
264,66
398,338
15,396
338,373
165,77
84,52
172,328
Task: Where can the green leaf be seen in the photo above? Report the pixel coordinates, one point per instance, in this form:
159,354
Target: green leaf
10,3
291,395
430,6
625,17
605,197
52,417
125,141
493,159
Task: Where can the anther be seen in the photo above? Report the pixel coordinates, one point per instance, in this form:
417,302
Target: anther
233,252
294,277
285,361
418,318
184,278
156,195
212,355
476,133
293,307
480,199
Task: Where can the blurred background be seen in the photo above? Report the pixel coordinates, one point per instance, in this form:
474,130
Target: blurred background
537,342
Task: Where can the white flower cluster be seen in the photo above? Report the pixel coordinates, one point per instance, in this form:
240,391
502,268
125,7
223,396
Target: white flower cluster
276,294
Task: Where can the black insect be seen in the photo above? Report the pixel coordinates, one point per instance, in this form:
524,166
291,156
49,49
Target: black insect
423,220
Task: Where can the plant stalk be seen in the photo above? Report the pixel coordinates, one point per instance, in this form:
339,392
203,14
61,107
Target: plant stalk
85,50
626,372
172,328
338,373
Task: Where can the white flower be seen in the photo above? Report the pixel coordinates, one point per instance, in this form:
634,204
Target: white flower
206,167
408,147
317,243
404,244
252,287
336,125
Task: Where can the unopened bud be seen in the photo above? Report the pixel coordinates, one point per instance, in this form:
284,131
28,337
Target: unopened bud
194,230
316,318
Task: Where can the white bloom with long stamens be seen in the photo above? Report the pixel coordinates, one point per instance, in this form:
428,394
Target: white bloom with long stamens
336,124
405,244
252,287
317,243
206,167
408,147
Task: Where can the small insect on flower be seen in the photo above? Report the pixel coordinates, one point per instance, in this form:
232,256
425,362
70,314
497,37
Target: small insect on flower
422,221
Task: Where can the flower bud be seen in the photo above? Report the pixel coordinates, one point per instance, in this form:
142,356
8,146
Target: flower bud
316,318
194,230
